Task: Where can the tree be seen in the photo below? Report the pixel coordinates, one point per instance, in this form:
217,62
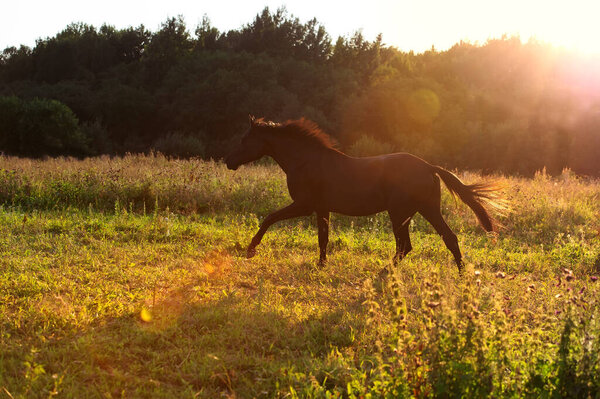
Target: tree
170,44
39,127
207,36
15,64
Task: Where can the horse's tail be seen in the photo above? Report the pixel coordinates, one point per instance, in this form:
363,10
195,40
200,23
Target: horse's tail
476,196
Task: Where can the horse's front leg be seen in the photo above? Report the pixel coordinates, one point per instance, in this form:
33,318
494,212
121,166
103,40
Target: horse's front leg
291,211
323,226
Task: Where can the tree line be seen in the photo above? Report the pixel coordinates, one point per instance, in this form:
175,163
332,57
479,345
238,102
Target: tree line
504,106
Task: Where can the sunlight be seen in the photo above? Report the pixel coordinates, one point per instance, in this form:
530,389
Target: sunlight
408,26
581,43
572,29
569,25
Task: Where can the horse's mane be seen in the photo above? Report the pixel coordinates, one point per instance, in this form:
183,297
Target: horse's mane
302,129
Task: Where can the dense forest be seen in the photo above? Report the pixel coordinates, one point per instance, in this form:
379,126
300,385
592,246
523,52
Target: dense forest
503,106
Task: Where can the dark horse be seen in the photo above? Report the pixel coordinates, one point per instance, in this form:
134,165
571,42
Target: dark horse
322,179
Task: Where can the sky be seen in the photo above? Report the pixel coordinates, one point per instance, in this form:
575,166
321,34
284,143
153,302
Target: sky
406,24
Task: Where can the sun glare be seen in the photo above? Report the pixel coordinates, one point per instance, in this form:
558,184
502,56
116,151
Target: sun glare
576,34
568,25
582,44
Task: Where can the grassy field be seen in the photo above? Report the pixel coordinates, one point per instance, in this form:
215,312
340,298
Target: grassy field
126,277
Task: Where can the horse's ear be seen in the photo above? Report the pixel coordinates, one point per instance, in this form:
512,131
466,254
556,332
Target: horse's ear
251,119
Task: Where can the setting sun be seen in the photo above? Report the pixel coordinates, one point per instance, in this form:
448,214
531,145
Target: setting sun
572,25
420,25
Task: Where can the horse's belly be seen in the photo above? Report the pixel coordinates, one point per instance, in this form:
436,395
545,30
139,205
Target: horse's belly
358,211
355,203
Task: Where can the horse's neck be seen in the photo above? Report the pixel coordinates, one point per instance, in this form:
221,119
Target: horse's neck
293,155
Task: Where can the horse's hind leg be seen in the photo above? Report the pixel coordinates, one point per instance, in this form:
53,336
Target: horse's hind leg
400,225
434,216
323,226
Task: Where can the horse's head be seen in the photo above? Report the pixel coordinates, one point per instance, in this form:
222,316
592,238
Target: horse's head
251,147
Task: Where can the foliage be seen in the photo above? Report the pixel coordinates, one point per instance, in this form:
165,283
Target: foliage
39,127
503,106
179,145
368,146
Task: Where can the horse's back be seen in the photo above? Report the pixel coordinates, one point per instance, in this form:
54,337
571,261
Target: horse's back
407,177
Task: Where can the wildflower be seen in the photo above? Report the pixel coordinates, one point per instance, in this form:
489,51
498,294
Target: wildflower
531,287
557,296
594,278
478,282
500,275
477,272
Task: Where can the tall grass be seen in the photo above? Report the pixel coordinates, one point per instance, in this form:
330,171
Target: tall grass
543,209
138,183
127,277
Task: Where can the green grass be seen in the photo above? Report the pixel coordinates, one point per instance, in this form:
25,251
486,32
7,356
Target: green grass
127,278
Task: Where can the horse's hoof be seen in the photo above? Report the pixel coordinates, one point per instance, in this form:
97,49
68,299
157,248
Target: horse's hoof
461,268
250,253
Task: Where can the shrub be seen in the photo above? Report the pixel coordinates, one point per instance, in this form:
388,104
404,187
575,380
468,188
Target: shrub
99,140
10,115
39,127
180,145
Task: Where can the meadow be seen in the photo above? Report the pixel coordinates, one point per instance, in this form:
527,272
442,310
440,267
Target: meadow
126,277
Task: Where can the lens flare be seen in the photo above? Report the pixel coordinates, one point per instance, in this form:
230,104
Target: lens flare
208,268
423,106
145,315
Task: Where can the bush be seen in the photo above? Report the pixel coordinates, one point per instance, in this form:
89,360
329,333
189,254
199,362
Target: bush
39,127
99,140
11,111
180,145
